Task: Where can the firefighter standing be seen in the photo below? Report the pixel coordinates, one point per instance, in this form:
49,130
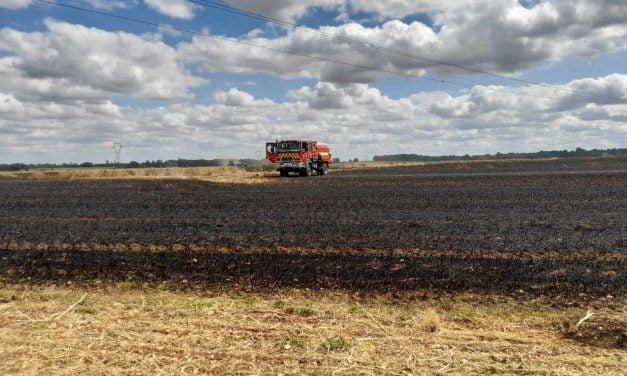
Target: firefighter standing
319,164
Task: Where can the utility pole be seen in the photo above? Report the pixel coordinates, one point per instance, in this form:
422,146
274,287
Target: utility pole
117,149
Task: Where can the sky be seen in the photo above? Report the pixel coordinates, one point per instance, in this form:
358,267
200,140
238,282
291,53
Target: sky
369,77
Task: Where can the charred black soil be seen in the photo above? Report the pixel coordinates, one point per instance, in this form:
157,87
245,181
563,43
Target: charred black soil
539,228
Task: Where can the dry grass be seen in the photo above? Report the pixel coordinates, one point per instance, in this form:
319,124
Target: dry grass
430,321
591,162
122,330
457,164
213,174
368,165
238,175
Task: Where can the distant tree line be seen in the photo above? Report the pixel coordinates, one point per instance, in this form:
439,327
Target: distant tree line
577,153
134,164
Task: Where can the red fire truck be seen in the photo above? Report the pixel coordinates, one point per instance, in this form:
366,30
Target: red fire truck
304,157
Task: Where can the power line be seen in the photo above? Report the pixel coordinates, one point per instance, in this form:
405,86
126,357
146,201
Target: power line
319,58
231,9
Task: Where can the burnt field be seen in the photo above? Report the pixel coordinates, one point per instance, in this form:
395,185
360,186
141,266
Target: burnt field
541,228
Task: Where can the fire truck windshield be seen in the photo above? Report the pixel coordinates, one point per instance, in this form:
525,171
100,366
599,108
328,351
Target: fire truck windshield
289,146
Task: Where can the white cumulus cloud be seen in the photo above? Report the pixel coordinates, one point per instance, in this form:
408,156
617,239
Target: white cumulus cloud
15,4
284,9
112,4
356,119
235,97
182,9
98,4
501,37
76,61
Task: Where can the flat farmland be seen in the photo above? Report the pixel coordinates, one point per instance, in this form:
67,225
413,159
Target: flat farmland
539,228
481,268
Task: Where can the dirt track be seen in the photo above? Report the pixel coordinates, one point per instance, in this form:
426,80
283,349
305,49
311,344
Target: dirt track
524,228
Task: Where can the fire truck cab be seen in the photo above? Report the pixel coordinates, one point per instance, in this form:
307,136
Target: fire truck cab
305,157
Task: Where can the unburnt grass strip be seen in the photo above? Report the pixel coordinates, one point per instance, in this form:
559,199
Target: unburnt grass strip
139,331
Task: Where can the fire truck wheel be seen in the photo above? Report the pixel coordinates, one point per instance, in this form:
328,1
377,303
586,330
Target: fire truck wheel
284,173
306,171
